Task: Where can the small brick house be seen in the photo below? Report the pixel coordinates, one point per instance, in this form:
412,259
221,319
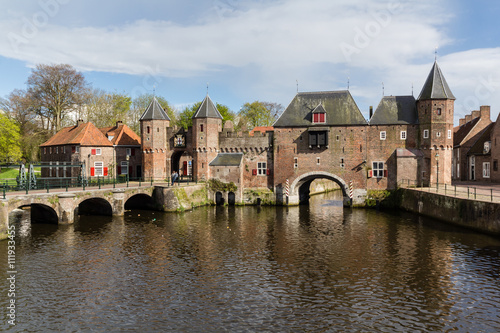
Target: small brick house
100,150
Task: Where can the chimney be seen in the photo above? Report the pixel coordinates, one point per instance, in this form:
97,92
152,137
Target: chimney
371,112
79,122
461,122
468,118
476,114
485,111
119,123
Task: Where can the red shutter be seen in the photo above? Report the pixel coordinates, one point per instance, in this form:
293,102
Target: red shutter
73,149
370,173
92,151
92,172
118,169
268,172
321,117
385,173
315,118
105,171
132,151
254,172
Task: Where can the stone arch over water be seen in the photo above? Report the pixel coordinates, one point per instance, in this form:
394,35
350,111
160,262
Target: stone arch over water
140,201
299,189
95,206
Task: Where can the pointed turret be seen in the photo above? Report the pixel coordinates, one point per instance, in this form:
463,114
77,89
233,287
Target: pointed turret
154,111
207,109
435,86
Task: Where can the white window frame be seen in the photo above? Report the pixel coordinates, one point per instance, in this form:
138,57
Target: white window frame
449,134
98,151
99,169
129,152
383,135
262,168
77,149
317,160
295,162
378,169
426,133
403,135
124,166
486,169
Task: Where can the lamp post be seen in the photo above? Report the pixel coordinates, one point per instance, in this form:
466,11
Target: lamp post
437,171
128,168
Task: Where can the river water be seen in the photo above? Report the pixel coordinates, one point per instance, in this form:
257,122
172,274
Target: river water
318,268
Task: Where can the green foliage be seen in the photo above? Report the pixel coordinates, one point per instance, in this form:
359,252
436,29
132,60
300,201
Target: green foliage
217,185
139,105
259,114
105,109
376,196
10,149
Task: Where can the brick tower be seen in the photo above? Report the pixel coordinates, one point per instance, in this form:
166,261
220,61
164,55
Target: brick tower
154,123
207,124
435,113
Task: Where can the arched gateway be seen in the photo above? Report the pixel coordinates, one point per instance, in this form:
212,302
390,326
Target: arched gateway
299,188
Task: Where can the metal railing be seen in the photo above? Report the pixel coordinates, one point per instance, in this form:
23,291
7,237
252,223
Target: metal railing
52,183
453,190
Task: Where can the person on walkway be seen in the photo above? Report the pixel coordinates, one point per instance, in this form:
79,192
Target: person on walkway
175,175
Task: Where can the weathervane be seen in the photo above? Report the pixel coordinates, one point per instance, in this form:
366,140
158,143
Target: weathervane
297,86
412,88
154,89
383,93
348,83
435,53
207,88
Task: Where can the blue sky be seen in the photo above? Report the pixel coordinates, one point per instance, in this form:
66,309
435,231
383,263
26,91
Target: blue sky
250,50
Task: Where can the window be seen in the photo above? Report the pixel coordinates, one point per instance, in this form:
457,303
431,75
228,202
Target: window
319,118
295,162
64,149
342,165
98,151
438,111
50,150
124,168
318,139
403,135
148,129
129,152
77,149
378,169
486,169
44,151
201,128
426,134
262,168
438,134
486,148
98,169
383,135
449,134
57,150
317,160
338,137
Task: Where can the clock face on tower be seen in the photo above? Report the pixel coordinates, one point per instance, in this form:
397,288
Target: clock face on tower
180,140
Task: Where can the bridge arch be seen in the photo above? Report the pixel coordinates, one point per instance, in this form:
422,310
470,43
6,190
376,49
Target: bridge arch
299,188
141,201
95,206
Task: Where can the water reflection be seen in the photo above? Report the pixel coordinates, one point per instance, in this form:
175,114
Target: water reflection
319,267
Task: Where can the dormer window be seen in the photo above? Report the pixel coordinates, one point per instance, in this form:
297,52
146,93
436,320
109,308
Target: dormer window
487,146
319,115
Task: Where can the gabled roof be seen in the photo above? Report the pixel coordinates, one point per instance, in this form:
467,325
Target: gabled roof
435,86
83,134
121,135
395,110
340,108
154,111
207,109
461,132
227,159
478,147
319,109
262,129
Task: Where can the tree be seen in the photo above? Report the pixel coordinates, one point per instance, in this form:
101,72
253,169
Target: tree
105,109
56,90
186,116
10,150
139,105
259,114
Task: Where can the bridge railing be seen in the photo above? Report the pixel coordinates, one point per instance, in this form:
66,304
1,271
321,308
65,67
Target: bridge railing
52,183
455,190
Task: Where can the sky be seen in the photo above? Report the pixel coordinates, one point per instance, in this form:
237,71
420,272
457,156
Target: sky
247,50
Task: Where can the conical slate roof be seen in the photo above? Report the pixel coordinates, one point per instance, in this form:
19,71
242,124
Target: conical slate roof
435,86
207,109
154,111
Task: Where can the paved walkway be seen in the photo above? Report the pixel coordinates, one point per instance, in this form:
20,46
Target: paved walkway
466,190
93,188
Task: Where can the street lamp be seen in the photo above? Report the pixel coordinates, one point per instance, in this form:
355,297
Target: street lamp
128,168
437,171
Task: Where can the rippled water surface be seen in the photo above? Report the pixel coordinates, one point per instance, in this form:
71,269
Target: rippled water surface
310,268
